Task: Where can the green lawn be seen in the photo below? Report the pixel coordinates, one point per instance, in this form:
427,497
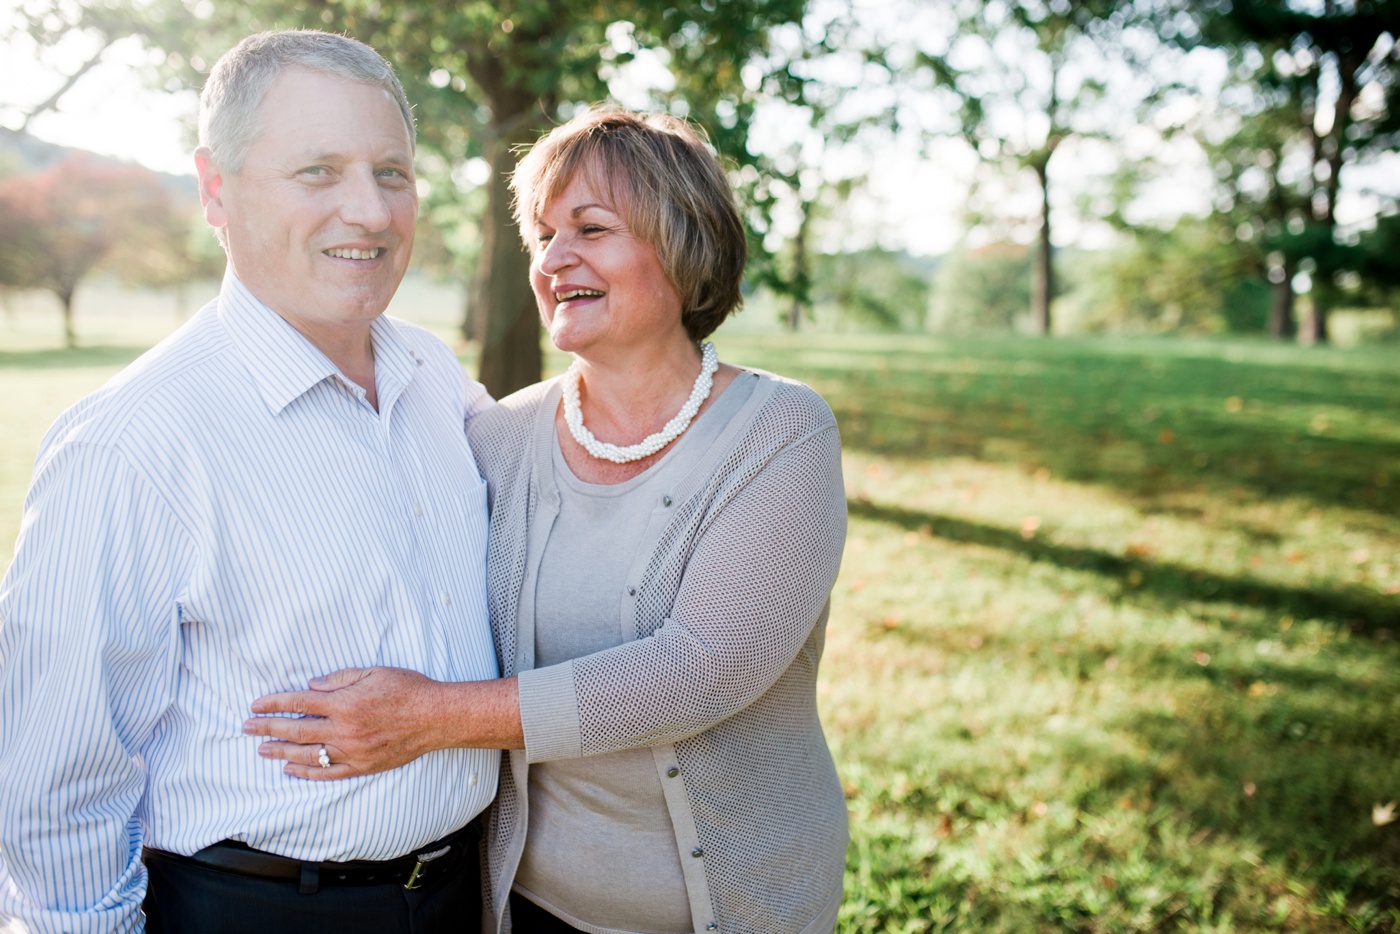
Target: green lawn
1114,644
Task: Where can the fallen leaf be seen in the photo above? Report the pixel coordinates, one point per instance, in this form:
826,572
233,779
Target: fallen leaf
1029,525
1166,436
1200,658
911,538
1234,404
1040,809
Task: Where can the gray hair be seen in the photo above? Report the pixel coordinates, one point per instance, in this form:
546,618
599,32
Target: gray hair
232,96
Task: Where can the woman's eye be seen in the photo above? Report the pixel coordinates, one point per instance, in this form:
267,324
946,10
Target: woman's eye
590,229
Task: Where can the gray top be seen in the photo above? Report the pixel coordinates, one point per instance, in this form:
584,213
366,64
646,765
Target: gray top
725,615
600,852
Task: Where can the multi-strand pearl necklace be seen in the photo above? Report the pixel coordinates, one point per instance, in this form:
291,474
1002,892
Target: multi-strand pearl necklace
573,414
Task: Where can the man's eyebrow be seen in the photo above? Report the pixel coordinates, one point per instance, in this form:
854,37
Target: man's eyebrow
329,155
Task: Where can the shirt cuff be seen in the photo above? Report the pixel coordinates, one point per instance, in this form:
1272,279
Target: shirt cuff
549,713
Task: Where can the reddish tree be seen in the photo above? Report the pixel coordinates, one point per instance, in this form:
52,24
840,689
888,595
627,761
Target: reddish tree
61,222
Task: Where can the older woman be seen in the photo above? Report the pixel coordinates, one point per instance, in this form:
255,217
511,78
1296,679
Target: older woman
665,533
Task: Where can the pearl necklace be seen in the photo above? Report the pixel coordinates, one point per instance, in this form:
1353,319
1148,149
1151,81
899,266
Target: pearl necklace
573,414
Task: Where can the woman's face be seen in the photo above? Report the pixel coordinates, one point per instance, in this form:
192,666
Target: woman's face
600,289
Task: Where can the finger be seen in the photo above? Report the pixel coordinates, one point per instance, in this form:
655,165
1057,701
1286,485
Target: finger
303,761
339,679
306,703
290,729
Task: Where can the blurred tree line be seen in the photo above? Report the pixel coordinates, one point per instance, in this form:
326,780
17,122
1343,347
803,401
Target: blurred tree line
1282,102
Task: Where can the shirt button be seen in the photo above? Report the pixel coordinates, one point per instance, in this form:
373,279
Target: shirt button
418,509
472,780
446,599
697,852
672,772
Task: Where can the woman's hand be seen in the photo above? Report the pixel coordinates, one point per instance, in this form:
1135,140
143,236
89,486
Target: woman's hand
374,719
367,719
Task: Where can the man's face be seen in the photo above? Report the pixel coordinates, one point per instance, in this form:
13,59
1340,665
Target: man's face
320,219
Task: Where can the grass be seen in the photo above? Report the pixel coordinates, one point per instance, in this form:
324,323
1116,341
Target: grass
1114,644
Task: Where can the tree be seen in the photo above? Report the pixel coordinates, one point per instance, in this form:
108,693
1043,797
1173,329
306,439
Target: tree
1025,76
61,222
487,78
1317,89
984,288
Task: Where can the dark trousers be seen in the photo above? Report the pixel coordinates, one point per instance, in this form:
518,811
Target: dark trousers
186,898
528,918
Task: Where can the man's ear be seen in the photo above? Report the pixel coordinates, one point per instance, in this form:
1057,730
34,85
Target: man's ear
211,187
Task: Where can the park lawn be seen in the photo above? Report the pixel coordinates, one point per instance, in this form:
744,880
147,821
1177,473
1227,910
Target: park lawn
1114,643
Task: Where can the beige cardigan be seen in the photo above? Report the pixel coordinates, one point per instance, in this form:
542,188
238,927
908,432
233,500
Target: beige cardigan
728,606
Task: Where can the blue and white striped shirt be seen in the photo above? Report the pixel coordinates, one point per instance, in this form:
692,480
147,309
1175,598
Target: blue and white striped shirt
226,518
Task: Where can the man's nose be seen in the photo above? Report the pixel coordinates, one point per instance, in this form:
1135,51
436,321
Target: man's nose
364,203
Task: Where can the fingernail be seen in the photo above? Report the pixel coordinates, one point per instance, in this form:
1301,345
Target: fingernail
265,751
318,681
256,707
248,727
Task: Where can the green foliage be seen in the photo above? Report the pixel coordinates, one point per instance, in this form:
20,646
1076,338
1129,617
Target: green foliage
982,289
1194,279
872,288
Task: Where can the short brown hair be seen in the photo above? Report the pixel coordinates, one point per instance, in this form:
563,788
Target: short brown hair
661,176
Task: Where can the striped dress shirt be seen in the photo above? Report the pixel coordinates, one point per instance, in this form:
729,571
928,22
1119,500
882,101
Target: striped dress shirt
229,517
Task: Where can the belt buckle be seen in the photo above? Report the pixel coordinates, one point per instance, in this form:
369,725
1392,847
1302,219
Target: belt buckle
415,878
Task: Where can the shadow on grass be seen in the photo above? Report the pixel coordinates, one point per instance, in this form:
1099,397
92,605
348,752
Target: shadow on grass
1363,613
55,358
1146,418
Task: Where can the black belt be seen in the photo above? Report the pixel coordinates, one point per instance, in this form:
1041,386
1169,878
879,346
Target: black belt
413,871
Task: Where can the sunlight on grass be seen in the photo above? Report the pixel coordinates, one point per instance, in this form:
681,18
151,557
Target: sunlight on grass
1113,648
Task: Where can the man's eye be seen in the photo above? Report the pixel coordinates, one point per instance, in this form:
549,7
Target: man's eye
317,171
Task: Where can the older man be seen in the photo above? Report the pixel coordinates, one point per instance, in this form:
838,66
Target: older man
280,489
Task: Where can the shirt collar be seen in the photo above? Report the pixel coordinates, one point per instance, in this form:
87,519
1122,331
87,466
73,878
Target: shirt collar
284,364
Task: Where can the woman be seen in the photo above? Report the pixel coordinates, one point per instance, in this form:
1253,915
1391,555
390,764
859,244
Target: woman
665,534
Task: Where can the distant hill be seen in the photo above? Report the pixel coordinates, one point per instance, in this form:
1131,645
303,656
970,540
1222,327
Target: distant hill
20,152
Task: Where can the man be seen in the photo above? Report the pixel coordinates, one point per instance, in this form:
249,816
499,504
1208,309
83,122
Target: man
280,489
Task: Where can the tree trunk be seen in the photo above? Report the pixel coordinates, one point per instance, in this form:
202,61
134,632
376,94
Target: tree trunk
1043,267
1282,323
506,315
801,275
70,337
1314,329
510,342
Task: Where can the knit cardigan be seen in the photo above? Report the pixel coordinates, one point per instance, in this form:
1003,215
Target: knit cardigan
726,605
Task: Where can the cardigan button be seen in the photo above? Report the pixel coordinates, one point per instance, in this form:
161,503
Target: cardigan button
665,500
672,772
697,852
712,926
631,591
